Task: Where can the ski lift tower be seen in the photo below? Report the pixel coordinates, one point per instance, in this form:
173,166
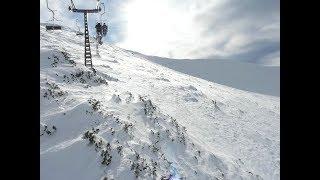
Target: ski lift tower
87,50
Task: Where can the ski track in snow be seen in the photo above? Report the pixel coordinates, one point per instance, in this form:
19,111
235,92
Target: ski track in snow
237,132
61,146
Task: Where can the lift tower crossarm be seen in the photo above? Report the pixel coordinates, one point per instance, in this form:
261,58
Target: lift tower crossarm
86,10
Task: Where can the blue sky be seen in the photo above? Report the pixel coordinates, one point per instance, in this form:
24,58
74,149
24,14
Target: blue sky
244,30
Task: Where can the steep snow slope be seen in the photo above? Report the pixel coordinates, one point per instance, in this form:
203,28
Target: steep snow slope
133,118
241,75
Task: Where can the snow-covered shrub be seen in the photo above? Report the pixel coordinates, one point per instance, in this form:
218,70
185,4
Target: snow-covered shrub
85,77
67,58
99,144
106,157
151,111
144,167
53,90
119,150
55,61
61,57
44,129
154,165
139,166
154,148
148,107
127,126
180,131
95,104
112,131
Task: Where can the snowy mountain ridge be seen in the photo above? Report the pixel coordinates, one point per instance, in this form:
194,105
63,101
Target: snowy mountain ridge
131,118
253,77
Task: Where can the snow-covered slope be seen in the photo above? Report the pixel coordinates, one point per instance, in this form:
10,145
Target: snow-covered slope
133,118
264,79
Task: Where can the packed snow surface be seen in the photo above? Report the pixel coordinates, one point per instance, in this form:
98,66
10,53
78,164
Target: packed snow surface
131,118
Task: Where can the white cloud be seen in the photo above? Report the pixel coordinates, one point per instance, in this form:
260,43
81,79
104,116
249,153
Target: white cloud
246,30
203,28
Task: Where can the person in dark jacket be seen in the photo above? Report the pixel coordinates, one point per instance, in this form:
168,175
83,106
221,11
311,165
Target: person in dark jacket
104,29
98,29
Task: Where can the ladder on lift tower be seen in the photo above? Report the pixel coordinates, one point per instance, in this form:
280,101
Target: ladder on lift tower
87,49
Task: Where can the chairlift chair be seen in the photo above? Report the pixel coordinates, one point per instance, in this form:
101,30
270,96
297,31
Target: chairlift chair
78,33
99,36
103,20
52,26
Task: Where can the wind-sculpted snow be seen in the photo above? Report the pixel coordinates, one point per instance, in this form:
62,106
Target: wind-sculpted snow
129,118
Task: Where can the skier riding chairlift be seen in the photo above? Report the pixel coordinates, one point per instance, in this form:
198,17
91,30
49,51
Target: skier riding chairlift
99,34
104,29
98,28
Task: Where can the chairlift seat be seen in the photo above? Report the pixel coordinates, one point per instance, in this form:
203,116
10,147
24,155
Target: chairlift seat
53,27
79,34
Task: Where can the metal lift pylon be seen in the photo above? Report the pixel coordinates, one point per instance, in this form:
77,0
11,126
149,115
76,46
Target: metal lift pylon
87,49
